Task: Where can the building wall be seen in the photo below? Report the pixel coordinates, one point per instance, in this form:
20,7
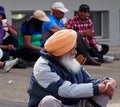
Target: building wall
111,5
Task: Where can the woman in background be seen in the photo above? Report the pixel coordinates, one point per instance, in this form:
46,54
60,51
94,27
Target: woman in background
30,36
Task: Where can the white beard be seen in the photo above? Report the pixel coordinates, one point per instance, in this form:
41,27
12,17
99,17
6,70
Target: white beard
70,63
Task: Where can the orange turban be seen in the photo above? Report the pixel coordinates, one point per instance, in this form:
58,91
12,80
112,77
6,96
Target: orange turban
61,42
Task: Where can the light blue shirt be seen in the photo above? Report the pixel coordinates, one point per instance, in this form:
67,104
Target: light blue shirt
48,25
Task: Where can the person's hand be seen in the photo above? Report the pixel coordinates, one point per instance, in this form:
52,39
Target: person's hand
8,24
65,25
101,87
110,86
88,33
10,47
99,48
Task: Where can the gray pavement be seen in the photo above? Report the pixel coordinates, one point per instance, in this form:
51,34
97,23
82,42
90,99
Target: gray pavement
115,51
14,94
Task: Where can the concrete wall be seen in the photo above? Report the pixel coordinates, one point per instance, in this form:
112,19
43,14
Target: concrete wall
113,6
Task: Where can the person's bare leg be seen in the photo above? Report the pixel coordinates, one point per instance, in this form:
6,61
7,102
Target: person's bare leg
1,64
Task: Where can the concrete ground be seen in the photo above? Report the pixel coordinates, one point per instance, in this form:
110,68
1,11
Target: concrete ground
108,70
14,94
13,85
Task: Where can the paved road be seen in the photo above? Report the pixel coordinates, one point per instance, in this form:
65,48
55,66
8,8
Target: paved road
108,70
15,94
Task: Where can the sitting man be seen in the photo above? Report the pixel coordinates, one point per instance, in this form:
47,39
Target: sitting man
58,80
55,24
84,25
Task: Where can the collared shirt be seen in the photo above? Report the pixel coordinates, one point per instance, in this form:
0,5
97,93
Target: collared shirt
80,26
48,25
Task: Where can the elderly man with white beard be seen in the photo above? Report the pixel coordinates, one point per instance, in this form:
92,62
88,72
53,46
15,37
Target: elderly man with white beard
58,80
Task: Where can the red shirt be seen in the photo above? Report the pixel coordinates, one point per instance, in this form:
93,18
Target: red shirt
82,25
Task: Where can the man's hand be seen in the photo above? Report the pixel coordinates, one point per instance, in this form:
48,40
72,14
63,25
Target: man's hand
87,33
101,87
99,48
54,29
110,86
10,47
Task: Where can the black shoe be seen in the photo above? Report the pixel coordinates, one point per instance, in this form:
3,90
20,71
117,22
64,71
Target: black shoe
101,60
20,64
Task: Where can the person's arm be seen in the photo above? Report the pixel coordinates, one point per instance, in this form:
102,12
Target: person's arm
55,29
101,86
11,30
70,24
7,47
50,32
27,42
110,86
49,28
86,33
107,87
57,85
45,35
91,34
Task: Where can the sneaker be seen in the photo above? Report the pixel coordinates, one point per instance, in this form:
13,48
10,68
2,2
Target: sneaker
108,59
9,64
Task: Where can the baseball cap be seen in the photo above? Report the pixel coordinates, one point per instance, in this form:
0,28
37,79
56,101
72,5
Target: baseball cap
60,6
40,15
84,7
2,11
